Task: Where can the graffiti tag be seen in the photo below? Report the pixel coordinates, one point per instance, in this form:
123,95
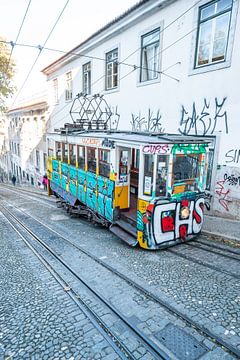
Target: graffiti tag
149,123
206,121
232,179
223,194
233,156
156,149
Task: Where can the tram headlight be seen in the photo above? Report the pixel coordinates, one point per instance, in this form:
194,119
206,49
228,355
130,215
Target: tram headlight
185,212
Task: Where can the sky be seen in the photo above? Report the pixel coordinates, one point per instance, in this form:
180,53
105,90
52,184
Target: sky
79,20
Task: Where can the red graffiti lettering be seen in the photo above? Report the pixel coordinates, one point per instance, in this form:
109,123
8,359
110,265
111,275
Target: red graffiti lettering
223,194
167,224
183,231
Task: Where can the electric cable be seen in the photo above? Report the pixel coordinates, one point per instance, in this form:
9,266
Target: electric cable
18,34
40,51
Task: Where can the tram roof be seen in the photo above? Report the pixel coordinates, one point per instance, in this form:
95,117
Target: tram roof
136,137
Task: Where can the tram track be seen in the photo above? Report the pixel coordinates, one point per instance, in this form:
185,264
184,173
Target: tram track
113,339
33,196
190,322
204,263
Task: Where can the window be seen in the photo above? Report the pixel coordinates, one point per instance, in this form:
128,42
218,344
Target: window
65,153
37,159
148,174
104,163
186,171
81,157
68,90
91,159
58,151
112,69
213,30
161,178
44,161
73,154
87,78
150,55
55,90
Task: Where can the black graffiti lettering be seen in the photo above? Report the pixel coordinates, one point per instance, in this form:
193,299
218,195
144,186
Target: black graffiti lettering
218,109
232,179
204,122
151,123
233,155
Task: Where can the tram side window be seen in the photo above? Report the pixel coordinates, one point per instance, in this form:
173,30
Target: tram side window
65,153
73,154
81,157
104,163
186,169
58,151
161,178
91,159
50,152
148,174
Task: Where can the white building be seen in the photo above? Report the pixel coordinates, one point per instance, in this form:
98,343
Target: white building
26,155
164,65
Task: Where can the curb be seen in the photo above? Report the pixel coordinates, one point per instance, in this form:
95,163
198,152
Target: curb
222,237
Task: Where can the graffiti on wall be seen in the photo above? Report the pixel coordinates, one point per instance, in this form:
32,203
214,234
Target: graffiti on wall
150,123
227,188
163,222
210,118
233,156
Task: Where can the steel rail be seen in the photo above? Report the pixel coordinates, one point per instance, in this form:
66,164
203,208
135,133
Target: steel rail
197,246
222,248
202,263
171,309
155,350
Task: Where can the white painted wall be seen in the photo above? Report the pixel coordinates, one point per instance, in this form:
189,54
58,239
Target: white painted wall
213,84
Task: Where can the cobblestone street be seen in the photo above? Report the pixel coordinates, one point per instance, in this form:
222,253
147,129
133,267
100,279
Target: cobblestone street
38,320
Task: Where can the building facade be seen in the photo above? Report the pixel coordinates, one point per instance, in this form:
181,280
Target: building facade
164,66
24,153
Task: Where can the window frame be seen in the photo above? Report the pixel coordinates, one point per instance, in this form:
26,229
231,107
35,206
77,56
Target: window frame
231,34
68,86
156,29
112,74
87,72
211,18
55,90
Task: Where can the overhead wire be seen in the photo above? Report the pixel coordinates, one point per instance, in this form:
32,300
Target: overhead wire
123,61
40,51
18,34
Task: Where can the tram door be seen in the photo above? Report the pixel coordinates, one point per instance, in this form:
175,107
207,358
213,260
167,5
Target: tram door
128,178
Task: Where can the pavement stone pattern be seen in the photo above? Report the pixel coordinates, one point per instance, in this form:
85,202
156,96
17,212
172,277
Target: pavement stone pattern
38,320
208,296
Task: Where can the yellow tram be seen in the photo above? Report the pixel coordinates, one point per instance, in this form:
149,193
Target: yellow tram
148,188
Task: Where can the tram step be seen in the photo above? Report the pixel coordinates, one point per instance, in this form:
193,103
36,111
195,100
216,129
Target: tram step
128,227
129,220
123,235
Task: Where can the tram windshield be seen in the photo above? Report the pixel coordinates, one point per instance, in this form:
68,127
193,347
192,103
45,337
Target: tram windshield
186,171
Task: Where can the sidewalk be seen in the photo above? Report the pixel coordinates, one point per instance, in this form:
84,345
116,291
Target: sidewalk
221,227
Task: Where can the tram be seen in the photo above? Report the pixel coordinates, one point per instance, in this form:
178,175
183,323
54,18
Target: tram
147,188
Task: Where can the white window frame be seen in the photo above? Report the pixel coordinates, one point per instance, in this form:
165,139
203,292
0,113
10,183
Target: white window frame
215,65
68,89
86,78
55,90
107,67
143,68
